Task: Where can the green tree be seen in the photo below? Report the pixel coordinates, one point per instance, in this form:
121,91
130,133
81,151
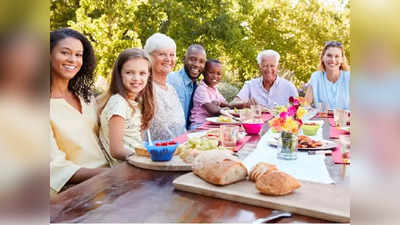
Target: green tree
233,31
62,11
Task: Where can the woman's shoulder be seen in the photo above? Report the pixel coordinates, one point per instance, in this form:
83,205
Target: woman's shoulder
316,76
346,73
317,73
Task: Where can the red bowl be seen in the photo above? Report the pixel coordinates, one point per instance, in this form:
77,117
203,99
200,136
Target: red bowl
252,128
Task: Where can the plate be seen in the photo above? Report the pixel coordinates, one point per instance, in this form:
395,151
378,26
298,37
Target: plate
319,122
196,134
345,128
233,113
214,120
325,145
274,141
175,164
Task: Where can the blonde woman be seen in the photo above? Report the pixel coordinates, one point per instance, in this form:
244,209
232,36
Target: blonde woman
331,83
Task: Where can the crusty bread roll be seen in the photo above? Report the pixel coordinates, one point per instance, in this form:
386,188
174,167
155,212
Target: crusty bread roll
189,155
219,167
142,152
276,183
260,169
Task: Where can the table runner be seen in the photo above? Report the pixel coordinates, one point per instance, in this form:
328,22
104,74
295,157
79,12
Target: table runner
306,167
338,157
335,132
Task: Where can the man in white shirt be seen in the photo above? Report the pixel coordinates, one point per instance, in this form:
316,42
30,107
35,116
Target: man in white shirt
269,89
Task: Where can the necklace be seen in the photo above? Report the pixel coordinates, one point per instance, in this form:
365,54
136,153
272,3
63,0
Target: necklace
162,86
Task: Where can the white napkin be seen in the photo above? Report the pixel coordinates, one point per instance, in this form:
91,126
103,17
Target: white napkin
305,167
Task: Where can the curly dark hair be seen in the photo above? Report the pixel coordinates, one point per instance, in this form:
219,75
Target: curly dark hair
82,84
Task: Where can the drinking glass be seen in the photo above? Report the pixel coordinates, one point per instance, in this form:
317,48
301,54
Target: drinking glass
246,115
257,112
340,118
345,144
229,135
322,107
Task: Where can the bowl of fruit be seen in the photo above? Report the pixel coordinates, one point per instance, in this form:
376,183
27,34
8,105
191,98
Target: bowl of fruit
161,151
310,128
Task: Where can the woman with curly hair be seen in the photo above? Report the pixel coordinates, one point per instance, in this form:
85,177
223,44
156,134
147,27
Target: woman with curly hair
75,151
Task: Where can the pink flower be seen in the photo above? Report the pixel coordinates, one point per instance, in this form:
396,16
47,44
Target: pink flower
291,111
299,121
283,115
291,99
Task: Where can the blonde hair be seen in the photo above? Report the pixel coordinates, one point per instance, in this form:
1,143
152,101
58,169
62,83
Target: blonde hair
334,44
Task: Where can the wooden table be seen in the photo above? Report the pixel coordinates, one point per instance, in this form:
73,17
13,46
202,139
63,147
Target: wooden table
129,194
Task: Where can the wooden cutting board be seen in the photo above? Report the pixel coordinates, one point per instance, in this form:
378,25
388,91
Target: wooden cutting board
175,164
324,201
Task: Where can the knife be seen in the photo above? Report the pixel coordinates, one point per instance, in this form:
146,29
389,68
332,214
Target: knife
276,214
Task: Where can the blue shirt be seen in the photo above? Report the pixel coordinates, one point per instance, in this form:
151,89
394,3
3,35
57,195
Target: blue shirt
278,94
184,87
336,95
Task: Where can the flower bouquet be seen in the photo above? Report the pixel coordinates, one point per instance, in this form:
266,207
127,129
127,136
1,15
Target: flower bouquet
288,122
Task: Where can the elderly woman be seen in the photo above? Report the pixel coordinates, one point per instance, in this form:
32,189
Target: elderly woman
169,118
331,83
268,90
75,153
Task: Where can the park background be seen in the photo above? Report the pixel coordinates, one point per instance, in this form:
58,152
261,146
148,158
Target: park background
233,31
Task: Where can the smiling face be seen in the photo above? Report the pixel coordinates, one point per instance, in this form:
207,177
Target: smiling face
67,58
332,58
268,68
213,74
164,61
135,73
195,60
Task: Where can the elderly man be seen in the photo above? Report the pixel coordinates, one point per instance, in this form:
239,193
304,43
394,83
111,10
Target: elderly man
184,81
268,90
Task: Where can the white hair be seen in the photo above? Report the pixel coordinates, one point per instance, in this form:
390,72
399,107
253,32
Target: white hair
268,53
158,41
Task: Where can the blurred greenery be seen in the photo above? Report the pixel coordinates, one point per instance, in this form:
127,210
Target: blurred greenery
233,31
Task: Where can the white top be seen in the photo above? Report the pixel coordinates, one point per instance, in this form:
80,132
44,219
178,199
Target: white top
169,119
117,105
278,94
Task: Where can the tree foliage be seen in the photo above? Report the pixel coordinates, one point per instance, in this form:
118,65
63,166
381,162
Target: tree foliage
233,31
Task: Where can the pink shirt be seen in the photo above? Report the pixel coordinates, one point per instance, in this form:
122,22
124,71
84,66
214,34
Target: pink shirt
203,94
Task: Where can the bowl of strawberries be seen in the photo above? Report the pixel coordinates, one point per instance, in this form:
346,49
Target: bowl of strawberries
161,151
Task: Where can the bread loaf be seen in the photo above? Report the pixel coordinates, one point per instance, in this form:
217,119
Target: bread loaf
276,183
260,169
219,167
189,155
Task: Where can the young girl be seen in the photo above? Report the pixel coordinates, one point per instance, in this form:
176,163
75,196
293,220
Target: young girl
207,100
130,106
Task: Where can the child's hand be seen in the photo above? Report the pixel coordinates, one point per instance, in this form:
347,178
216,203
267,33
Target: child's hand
216,103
